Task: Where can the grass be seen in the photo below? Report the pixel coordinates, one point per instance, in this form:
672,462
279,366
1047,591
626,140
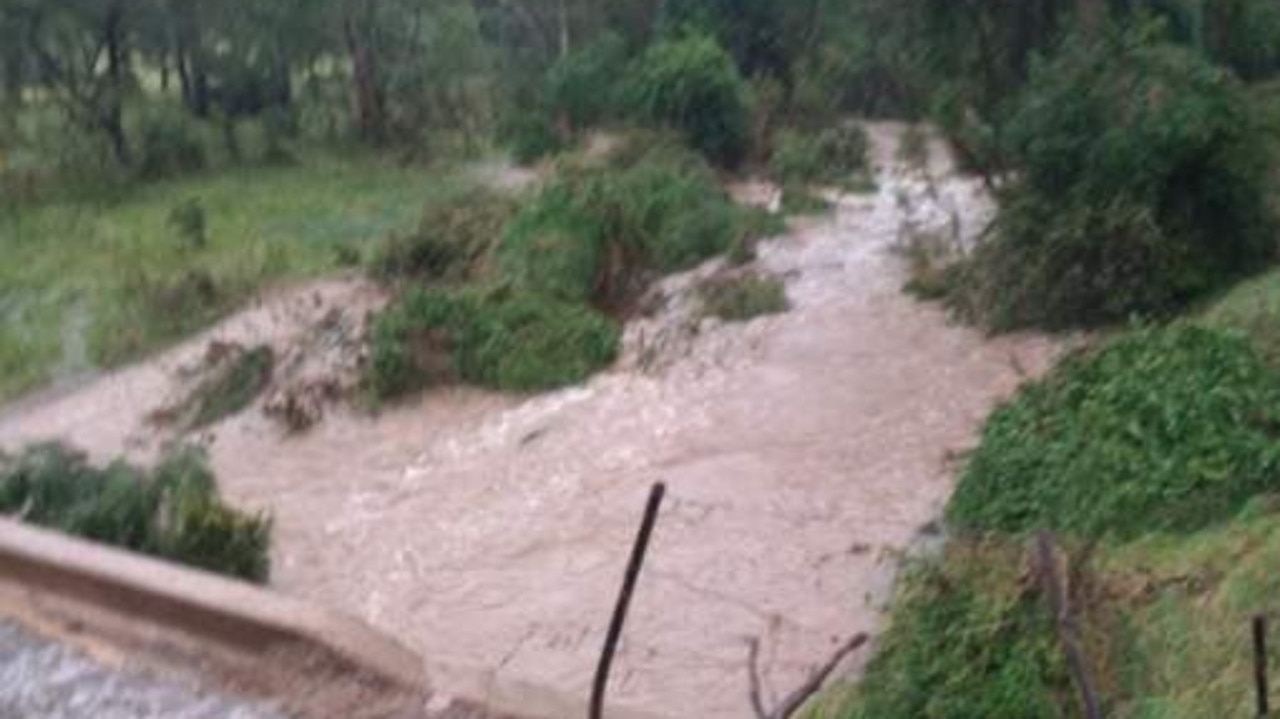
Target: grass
144,285
741,298
234,388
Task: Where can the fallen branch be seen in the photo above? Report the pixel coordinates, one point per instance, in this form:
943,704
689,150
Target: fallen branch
796,699
1065,623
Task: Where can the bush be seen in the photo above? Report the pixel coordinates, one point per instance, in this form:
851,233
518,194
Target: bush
833,155
971,637
508,342
1142,184
454,235
741,298
594,234
234,387
582,86
1164,430
187,218
168,145
172,511
531,136
693,86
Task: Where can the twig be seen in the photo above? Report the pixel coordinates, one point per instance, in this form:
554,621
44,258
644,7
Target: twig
796,699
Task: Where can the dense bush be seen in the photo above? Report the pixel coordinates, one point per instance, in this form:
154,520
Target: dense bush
531,137
582,87
1142,183
693,86
168,145
1162,430
517,342
172,511
594,234
834,154
454,234
971,638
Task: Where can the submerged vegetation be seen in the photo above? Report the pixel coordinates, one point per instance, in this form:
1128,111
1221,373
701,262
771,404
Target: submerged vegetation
172,511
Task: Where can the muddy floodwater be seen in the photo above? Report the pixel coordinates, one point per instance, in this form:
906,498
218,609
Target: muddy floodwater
802,452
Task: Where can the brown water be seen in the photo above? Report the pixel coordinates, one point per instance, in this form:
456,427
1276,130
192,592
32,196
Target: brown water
803,453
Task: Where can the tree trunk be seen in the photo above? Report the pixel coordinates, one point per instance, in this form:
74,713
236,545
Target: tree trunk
112,110
1091,15
370,110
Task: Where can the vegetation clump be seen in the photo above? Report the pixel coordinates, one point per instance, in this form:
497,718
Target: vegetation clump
1142,183
453,237
692,85
833,155
233,386
743,297
172,511
517,342
1164,430
971,637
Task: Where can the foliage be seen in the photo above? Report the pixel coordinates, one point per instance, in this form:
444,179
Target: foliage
172,511
233,388
1143,183
593,233
531,136
168,146
971,637
454,235
798,199
833,155
582,86
1164,430
188,219
516,342
744,297
692,85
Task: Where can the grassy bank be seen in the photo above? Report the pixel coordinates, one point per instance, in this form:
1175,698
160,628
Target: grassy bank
98,284
1155,458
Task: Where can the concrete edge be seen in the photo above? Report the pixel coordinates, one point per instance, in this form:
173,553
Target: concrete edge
231,614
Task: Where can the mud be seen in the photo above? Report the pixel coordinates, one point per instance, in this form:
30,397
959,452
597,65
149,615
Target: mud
803,453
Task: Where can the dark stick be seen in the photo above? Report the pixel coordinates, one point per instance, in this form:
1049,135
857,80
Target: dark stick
794,701
624,600
1060,604
1260,664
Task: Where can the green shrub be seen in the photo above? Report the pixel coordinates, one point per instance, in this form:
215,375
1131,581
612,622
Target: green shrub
187,218
833,155
971,638
593,235
454,235
582,86
172,511
692,85
1142,184
1163,430
531,137
798,199
744,297
511,342
234,387
168,146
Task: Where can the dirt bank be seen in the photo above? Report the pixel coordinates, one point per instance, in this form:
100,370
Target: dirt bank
802,453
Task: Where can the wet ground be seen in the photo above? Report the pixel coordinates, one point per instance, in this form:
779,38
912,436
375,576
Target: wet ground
803,453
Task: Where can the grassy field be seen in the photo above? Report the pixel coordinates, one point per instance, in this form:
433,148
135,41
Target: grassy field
86,284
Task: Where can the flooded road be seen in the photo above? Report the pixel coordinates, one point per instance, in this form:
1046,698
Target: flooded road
802,452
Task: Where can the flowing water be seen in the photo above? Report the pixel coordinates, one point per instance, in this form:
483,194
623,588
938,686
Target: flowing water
803,454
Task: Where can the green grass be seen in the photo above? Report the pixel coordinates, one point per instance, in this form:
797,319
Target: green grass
738,299
145,286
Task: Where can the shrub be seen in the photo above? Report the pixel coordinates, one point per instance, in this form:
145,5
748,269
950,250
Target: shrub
1142,184
531,137
798,199
693,86
744,297
172,511
454,235
582,86
592,235
168,145
187,218
233,387
1164,430
833,155
971,637
512,342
